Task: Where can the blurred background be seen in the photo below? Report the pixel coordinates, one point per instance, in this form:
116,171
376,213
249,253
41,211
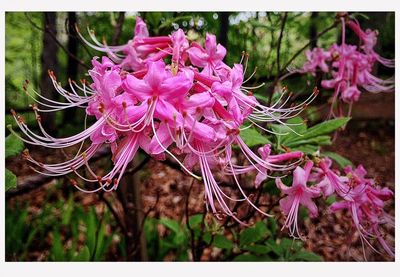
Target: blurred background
159,214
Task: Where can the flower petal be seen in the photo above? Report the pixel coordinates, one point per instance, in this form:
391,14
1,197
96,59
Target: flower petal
138,88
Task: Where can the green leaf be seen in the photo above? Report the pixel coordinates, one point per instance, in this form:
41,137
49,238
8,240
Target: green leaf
207,237
294,125
306,256
66,215
258,249
281,132
323,128
83,255
11,180
57,249
179,238
253,234
250,258
330,200
171,224
261,97
320,140
307,149
340,160
252,137
222,242
14,145
195,220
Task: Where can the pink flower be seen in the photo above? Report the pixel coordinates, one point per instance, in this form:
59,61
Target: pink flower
140,102
317,58
350,67
365,203
158,87
298,194
209,57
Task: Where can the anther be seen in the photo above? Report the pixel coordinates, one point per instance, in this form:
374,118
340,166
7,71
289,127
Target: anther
25,154
101,107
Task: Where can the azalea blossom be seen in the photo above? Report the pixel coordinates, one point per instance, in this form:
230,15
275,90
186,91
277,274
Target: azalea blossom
350,66
192,109
298,194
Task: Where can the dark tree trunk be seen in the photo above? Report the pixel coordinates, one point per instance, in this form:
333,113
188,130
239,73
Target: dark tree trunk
130,197
223,28
313,30
118,28
49,62
72,65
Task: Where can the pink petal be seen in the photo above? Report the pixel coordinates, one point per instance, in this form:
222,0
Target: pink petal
200,131
260,177
197,56
139,88
155,74
310,205
199,100
281,186
163,136
175,87
210,44
141,28
286,204
237,76
339,206
166,112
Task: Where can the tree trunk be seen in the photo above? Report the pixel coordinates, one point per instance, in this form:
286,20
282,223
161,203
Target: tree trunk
223,28
313,30
49,62
130,197
72,65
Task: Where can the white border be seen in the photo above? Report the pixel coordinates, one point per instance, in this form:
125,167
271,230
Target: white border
189,269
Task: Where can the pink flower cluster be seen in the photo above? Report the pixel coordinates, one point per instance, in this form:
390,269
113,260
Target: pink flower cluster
350,66
192,108
360,196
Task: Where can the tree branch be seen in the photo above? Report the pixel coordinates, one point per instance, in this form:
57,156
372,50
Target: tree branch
118,28
53,36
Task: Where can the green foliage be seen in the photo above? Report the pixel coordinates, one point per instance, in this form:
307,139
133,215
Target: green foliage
222,242
296,136
255,243
14,145
252,137
10,180
253,234
339,159
69,232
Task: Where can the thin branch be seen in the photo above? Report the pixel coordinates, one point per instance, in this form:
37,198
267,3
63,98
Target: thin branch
58,42
118,28
278,50
192,242
307,44
113,211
